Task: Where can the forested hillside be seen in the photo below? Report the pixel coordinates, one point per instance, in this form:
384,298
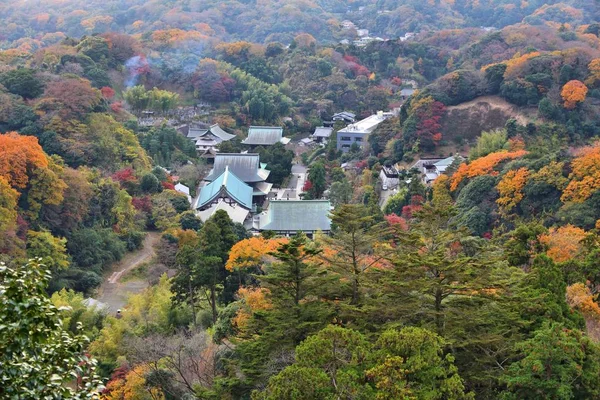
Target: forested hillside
41,22
459,258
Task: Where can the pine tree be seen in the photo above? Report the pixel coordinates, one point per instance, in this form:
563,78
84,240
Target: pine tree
353,246
297,286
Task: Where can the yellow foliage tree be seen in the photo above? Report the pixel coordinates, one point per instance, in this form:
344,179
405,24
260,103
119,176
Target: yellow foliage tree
564,243
579,297
573,93
254,299
441,194
250,252
585,175
510,189
594,77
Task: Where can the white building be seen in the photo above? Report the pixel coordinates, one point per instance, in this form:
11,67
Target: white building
363,41
359,131
181,188
432,168
389,177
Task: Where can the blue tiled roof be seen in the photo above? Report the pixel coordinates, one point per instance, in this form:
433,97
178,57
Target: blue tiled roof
234,186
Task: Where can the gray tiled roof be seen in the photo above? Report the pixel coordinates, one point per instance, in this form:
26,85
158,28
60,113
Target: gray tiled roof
220,133
323,132
244,166
297,215
263,135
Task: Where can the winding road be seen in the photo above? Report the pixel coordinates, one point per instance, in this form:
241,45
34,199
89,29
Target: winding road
114,293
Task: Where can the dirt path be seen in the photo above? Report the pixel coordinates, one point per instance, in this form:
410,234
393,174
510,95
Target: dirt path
113,292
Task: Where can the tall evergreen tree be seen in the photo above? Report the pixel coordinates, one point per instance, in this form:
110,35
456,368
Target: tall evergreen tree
353,246
297,286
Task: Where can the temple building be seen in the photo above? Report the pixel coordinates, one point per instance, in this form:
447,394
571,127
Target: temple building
226,192
248,168
207,140
265,136
288,217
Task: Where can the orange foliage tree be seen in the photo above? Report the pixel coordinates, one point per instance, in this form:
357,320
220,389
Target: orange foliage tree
579,297
19,156
254,299
585,175
573,93
250,252
132,386
483,166
24,165
594,77
515,65
173,37
564,243
510,189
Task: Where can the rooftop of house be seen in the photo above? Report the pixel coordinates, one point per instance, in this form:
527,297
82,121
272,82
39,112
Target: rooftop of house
234,186
215,130
390,171
366,125
323,132
247,167
345,115
407,92
445,162
296,216
180,187
263,135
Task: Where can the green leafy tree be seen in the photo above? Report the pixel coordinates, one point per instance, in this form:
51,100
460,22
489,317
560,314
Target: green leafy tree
93,249
494,76
353,243
340,193
296,382
523,244
317,178
39,357
396,202
489,142
558,363
138,98
432,260
150,183
166,146
411,364
162,101
293,282
402,364
189,220
51,250
278,160
336,357
202,276
296,285
22,81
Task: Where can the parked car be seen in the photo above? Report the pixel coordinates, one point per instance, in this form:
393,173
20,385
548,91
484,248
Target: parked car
384,187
